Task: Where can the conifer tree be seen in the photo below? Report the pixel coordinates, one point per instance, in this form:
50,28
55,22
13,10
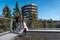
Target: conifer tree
7,14
16,12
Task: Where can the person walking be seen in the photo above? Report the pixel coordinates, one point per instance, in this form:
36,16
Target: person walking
25,28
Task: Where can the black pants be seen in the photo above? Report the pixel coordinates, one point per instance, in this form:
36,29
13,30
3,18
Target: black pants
25,32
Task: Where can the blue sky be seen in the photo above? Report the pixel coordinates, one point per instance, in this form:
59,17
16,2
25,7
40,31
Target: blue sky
46,8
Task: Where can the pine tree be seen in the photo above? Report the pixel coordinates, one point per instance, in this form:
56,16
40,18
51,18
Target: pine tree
7,14
16,12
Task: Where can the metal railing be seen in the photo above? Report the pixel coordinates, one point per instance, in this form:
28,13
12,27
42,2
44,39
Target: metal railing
46,29
11,22
3,33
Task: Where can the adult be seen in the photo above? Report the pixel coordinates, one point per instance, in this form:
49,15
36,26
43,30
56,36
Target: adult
25,28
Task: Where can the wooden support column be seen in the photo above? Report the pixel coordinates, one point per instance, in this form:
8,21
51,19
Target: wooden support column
11,23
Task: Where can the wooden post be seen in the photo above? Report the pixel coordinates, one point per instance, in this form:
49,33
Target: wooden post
46,24
11,25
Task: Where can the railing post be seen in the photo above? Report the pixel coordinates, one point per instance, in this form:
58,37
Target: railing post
46,25
11,25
